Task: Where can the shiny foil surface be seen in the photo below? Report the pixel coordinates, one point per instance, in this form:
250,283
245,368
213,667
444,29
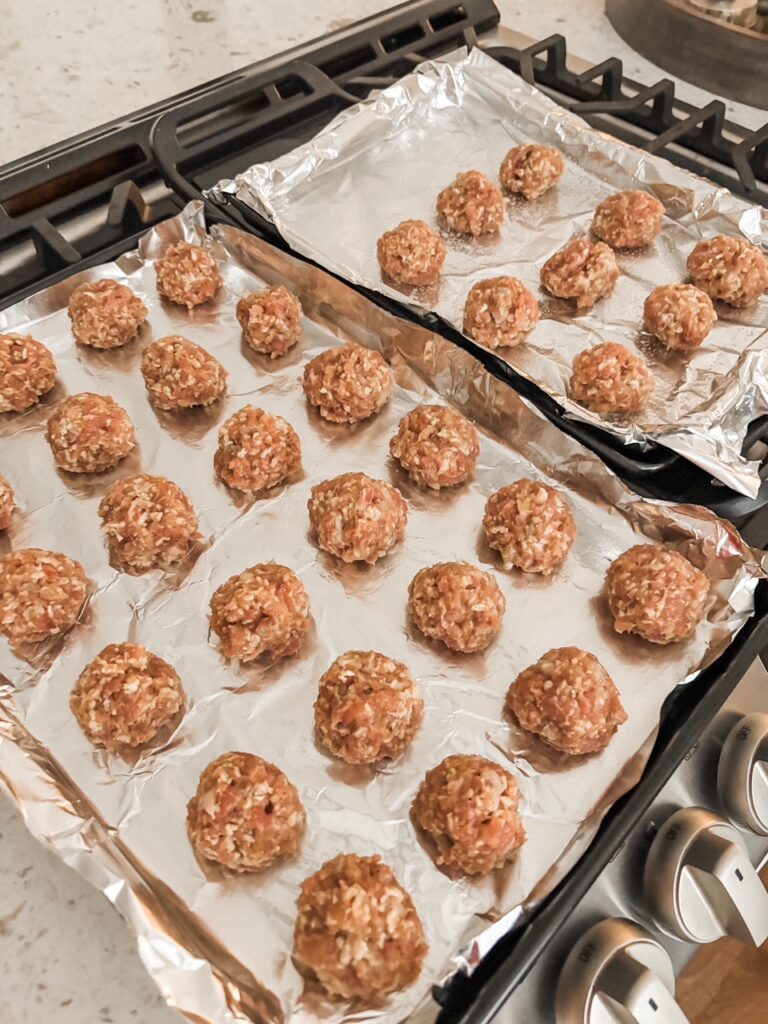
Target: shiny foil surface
386,159
219,946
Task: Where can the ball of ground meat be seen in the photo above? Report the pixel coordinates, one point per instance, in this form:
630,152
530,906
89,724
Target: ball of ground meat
7,503
582,270
457,603
41,594
411,254
149,521
27,372
436,446
655,592
679,315
628,220
368,708
245,815
569,700
89,433
262,611
125,696
271,320
356,518
179,374
471,205
256,450
187,275
608,378
500,312
531,170
348,384
468,807
105,314
357,929
730,269
530,525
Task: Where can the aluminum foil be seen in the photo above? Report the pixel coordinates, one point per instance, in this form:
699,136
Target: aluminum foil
385,160
220,947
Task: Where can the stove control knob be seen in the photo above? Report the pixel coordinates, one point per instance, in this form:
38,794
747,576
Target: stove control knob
742,775
617,974
699,882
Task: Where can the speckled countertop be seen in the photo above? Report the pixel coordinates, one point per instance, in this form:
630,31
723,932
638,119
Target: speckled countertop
66,67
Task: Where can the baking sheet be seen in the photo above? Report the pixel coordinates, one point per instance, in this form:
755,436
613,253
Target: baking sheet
219,947
385,160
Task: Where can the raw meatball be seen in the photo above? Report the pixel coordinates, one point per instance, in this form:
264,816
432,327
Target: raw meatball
655,592
457,603
368,708
679,315
530,525
609,378
471,205
105,314
357,929
187,275
149,521
256,450
628,220
531,170
27,372
180,374
469,808
245,814
125,696
436,446
348,384
411,254
7,503
263,610
271,320
89,433
355,518
582,270
569,700
499,312
730,269
41,594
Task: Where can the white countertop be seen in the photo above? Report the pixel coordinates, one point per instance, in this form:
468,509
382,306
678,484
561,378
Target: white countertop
66,955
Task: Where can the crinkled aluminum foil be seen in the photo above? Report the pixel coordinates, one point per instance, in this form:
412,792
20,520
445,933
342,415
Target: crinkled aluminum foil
386,159
219,947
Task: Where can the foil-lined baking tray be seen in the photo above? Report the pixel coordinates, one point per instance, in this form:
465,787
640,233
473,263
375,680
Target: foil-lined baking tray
219,947
385,160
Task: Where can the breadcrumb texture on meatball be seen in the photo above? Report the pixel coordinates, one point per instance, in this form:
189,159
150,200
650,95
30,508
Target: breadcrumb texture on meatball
27,372
608,378
105,314
261,611
41,594
655,592
368,708
679,315
411,254
348,383
148,521
729,269
179,374
469,807
89,433
7,503
457,603
356,518
436,446
271,320
187,275
357,929
256,450
530,525
471,205
569,700
628,220
531,170
582,270
125,696
500,312
245,815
